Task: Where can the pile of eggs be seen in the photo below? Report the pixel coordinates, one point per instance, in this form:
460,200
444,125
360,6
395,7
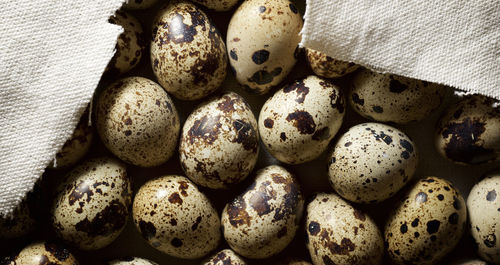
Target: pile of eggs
265,212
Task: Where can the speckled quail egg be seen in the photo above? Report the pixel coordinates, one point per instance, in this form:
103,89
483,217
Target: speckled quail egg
262,40
129,46
371,162
76,147
131,261
338,233
219,144
484,216
217,5
44,253
19,224
139,4
263,220
392,98
470,262
297,123
427,224
226,257
91,206
468,133
325,66
176,218
137,121
187,52
293,261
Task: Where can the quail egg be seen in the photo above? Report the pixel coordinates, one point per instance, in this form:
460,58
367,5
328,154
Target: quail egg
130,45
41,253
139,4
325,66
217,5
392,98
263,220
371,162
219,144
226,257
297,123
187,52
262,40
468,133
131,261
91,206
137,121
427,224
484,216
338,233
176,218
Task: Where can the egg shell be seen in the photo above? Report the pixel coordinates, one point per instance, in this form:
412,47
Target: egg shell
176,218
427,224
131,261
484,215
471,262
262,39
91,206
40,253
338,233
139,4
19,224
130,45
217,5
297,123
219,144
392,98
76,147
187,51
371,162
225,257
293,261
138,122
263,220
326,66
468,133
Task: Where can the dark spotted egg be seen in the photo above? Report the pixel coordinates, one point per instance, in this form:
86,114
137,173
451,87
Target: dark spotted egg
131,261
130,44
325,66
188,54
471,262
263,220
226,257
219,143
298,121
483,204
262,40
139,4
176,218
19,224
427,224
217,5
44,253
371,162
91,206
138,122
392,98
293,261
468,133
338,233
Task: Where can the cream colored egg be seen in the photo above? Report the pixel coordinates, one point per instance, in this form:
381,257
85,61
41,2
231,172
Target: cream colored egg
293,261
484,216
218,5
40,253
470,262
130,45
219,144
131,261
468,133
138,122
139,4
325,66
427,224
392,98
19,224
262,40
187,52
176,218
338,233
263,220
225,257
91,206
371,162
297,123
